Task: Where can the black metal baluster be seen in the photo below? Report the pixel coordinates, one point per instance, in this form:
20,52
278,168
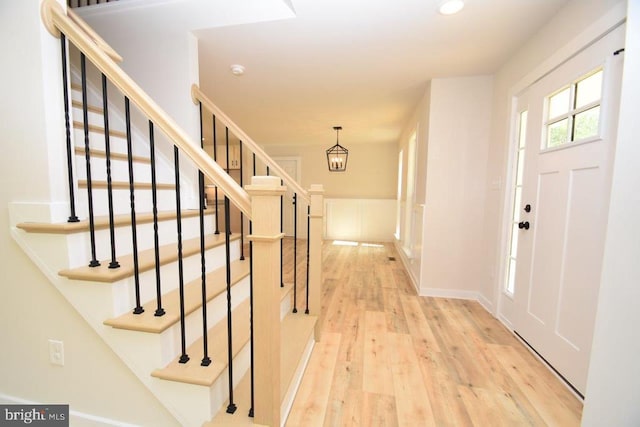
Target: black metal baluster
87,154
226,131
306,311
70,155
281,240
134,234
295,252
215,159
251,306
231,408
241,213
184,358
156,244
206,360
254,164
226,138
107,148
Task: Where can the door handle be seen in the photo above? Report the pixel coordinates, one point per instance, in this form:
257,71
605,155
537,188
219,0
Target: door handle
524,225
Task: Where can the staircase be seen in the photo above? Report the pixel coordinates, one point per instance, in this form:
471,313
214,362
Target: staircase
170,291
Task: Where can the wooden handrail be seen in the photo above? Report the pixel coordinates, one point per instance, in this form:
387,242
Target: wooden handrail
56,20
198,96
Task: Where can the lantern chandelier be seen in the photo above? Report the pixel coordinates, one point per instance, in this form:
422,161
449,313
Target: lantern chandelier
337,155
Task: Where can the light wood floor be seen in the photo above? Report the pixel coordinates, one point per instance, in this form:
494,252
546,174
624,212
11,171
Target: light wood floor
391,358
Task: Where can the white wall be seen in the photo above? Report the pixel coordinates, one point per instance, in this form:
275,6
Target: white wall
371,169
31,310
613,388
454,206
418,123
452,124
361,220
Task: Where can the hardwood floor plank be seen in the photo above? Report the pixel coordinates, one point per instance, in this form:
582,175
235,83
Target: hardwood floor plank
378,410
442,388
310,404
483,405
417,323
534,385
390,357
412,403
377,377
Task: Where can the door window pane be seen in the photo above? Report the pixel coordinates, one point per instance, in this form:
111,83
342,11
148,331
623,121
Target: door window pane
511,276
573,112
523,129
589,89
559,103
557,133
586,124
510,271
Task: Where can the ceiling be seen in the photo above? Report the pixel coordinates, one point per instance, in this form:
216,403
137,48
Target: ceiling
314,64
361,64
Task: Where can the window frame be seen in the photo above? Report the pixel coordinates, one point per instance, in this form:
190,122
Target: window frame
571,113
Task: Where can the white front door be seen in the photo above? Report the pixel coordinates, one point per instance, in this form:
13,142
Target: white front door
570,142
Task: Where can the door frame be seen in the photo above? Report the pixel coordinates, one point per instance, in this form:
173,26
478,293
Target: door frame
599,29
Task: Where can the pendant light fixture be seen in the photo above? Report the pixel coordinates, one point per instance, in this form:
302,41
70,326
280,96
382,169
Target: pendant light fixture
337,155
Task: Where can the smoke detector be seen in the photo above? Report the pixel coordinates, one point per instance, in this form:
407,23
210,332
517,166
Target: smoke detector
237,70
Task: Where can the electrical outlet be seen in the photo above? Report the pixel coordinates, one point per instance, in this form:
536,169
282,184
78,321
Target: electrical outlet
56,352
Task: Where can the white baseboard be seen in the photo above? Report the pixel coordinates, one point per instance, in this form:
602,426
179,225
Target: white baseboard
449,293
76,418
488,305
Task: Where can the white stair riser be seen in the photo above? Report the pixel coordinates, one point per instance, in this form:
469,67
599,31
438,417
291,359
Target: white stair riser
167,233
95,118
117,144
216,311
220,388
124,290
166,201
119,170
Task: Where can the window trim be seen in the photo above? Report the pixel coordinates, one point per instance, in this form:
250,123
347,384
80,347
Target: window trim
572,113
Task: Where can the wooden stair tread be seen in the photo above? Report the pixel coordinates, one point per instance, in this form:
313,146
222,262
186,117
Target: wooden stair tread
192,372
102,222
146,260
114,156
296,329
147,322
100,129
124,185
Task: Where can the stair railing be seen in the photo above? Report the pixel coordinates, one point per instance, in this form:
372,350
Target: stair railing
260,203
83,3
300,197
271,167
58,22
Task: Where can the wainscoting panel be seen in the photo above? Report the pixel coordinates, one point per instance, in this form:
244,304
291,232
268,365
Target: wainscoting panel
361,220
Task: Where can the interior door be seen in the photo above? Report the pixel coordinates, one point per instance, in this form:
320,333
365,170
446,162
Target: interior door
290,166
567,174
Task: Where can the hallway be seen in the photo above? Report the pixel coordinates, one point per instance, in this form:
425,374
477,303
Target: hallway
390,358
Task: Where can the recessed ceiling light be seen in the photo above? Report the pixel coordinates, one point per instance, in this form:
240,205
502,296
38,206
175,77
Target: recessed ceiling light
450,7
237,70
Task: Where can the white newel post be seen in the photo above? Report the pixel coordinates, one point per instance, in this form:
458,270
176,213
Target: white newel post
315,237
265,192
